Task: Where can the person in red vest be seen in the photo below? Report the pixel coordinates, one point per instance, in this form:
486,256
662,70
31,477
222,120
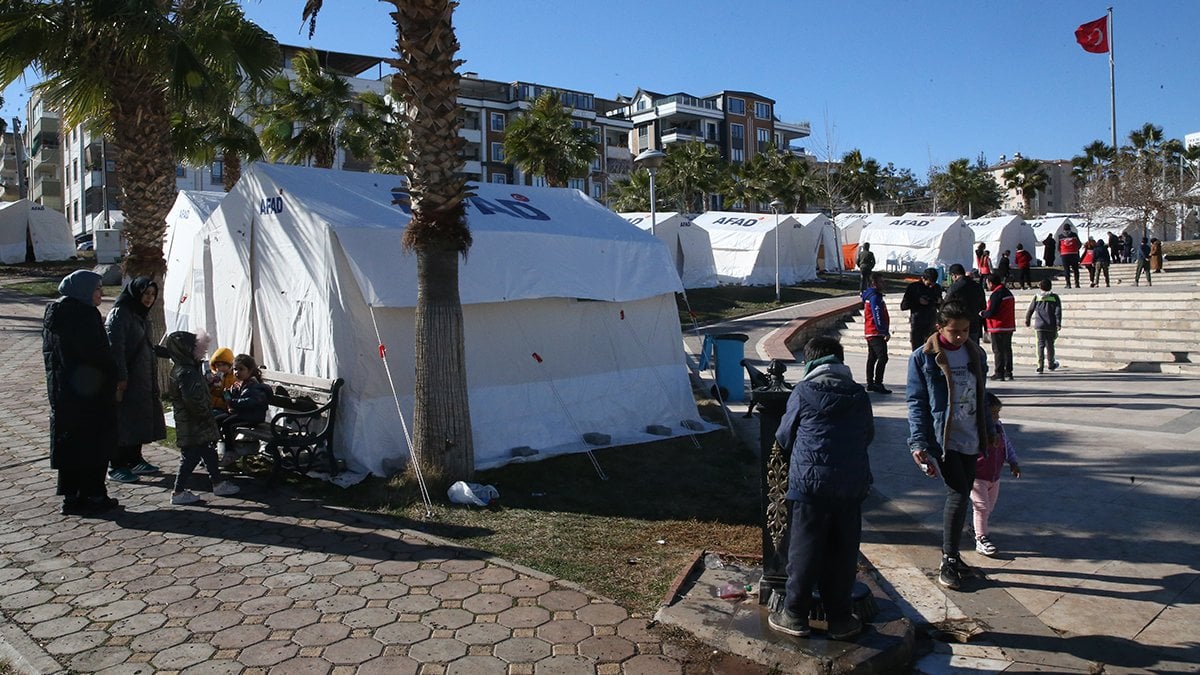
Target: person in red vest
1024,260
877,329
1068,250
1000,319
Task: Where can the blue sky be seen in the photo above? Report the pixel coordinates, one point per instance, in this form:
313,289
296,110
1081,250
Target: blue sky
914,83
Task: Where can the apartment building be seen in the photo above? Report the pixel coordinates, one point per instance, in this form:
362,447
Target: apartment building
10,170
1058,197
490,105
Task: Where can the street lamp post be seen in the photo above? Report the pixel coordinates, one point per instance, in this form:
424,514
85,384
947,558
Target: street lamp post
651,159
776,205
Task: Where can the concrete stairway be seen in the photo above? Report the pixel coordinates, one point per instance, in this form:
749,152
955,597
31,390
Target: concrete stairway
1144,329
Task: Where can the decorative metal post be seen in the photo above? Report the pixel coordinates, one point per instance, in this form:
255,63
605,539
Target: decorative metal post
771,401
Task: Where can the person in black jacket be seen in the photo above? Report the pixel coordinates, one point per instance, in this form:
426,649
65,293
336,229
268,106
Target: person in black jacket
1049,246
828,426
139,402
921,299
81,384
969,293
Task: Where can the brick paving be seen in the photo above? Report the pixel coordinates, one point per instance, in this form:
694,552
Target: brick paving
266,582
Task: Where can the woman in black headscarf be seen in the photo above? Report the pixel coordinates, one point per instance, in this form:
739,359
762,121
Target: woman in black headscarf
81,383
139,408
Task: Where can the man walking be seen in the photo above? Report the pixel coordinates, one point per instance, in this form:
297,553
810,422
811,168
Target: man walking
921,299
877,329
967,292
1001,322
866,266
1143,263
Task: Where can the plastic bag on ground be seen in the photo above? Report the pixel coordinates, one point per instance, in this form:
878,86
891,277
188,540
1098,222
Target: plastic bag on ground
472,493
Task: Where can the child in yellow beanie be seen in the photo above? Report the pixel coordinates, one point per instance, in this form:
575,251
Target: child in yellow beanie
220,378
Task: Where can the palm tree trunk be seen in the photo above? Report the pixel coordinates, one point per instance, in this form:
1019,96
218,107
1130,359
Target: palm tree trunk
231,169
441,416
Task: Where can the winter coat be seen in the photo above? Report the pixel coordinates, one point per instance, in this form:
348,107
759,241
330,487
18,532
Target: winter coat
1045,312
1000,312
875,314
828,425
921,314
248,400
1100,255
218,382
140,412
968,292
1069,244
194,422
1000,452
866,261
1048,250
1024,259
81,384
928,396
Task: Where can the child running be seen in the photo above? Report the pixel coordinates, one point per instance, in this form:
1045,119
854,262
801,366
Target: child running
986,488
195,428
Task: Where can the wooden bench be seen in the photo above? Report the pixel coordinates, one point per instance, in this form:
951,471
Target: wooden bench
299,436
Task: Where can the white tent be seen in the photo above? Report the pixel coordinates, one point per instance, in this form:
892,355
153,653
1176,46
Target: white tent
24,223
1003,233
1053,226
569,313
912,243
689,246
184,220
817,227
743,246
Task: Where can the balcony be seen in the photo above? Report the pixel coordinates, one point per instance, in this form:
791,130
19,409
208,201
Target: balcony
471,135
46,188
619,168
472,167
618,152
793,130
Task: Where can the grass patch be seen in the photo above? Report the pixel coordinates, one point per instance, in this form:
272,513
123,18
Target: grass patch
41,289
1181,250
712,305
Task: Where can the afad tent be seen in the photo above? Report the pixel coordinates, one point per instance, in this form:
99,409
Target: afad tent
1003,233
1053,226
850,227
27,226
818,228
689,246
184,220
743,246
912,243
569,313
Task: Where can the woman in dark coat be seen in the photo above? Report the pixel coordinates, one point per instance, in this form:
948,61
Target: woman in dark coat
81,383
139,411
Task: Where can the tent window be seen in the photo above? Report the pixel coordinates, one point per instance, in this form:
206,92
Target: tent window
302,325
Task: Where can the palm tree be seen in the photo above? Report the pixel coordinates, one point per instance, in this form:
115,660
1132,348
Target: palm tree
783,176
631,194
202,135
860,179
427,87
689,172
126,67
1028,178
966,188
544,141
301,118
1093,163
375,132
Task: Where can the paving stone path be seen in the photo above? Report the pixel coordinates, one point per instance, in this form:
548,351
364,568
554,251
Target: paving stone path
265,582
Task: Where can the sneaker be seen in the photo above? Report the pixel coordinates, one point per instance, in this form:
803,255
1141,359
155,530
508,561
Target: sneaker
1054,366
845,630
185,497
225,488
984,546
73,506
948,576
964,570
143,467
94,505
788,623
122,476
1040,370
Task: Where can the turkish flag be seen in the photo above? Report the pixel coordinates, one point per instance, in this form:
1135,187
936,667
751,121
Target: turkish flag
1093,36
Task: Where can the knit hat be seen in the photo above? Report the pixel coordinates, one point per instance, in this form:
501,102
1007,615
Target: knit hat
222,355
80,285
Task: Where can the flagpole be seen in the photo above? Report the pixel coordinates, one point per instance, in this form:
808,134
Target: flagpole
1112,84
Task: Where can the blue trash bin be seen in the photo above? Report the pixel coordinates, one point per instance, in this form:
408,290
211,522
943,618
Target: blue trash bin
729,350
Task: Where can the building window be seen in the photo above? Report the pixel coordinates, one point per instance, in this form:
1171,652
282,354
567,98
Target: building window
497,121
778,140
539,181
737,155
577,184
736,106
762,110
597,191
497,152
217,172
710,132
643,138
596,164
764,139
180,171
499,179
737,136
642,104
